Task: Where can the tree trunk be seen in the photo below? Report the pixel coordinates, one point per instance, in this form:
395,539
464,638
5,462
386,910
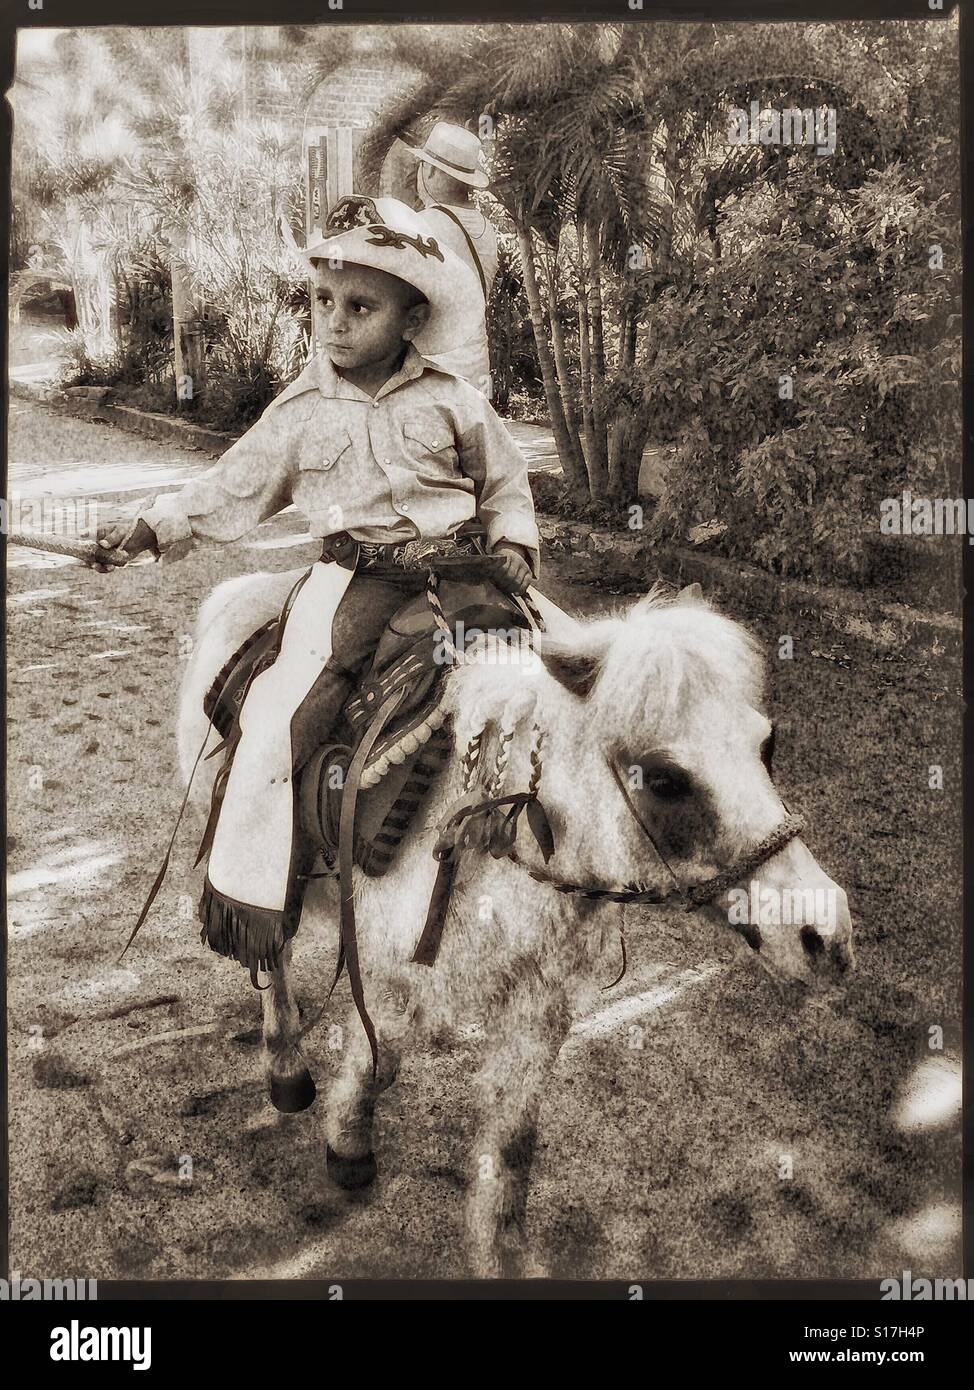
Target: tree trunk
574,469
187,335
187,326
618,438
564,379
585,365
561,357
619,425
637,437
593,274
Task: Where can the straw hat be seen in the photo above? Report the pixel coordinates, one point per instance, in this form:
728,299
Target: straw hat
454,150
387,235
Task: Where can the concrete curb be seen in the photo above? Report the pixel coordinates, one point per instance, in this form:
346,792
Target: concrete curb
600,556
90,403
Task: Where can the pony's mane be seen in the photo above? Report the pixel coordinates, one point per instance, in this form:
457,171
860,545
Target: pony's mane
673,643
642,666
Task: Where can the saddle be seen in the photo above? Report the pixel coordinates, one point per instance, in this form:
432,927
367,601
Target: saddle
405,753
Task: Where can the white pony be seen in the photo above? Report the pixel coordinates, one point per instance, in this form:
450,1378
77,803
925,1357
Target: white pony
654,757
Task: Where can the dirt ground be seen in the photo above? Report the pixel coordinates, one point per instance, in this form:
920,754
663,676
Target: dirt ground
702,1124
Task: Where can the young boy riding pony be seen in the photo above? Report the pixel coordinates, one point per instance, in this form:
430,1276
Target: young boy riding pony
403,471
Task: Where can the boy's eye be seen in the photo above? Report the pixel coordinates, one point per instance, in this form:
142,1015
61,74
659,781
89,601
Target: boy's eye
360,308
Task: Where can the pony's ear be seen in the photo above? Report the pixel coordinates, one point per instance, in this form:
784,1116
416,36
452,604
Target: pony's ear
576,671
692,594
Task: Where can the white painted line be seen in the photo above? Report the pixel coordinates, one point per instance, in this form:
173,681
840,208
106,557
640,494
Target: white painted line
28,880
201,1030
624,1011
672,983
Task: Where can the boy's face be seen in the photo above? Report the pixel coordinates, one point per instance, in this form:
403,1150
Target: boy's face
365,315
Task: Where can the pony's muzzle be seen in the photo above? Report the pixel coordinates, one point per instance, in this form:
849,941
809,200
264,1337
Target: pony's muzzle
827,940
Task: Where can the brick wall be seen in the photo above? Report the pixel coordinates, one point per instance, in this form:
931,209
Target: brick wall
352,96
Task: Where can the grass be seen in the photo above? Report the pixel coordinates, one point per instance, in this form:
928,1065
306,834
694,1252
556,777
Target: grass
662,1159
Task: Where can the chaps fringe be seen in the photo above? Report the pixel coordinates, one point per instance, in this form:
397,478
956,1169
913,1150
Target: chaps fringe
254,936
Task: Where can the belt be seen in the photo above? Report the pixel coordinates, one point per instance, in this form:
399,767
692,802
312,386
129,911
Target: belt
411,557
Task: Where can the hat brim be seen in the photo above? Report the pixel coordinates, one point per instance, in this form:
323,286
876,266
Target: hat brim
451,287
476,178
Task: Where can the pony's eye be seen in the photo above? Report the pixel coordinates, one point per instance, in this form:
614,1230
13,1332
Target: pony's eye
767,751
667,786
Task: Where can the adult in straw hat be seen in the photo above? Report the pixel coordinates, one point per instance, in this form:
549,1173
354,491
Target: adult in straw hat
449,170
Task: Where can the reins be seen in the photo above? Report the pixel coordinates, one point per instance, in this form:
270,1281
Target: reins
695,895
89,552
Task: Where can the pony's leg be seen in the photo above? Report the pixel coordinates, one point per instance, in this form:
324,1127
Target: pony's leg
353,1094
524,1039
291,1086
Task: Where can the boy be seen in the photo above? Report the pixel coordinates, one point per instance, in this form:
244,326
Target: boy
391,460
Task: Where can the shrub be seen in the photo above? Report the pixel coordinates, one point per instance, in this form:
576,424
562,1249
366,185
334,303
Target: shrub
839,296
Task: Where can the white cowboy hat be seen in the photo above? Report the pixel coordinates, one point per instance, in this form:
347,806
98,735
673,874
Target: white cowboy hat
454,150
387,235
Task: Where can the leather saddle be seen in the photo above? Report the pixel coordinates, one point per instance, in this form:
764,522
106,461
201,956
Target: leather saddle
405,679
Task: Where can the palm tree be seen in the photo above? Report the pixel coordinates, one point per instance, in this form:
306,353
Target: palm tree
608,152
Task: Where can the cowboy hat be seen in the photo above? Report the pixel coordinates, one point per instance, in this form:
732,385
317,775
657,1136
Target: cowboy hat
454,150
387,235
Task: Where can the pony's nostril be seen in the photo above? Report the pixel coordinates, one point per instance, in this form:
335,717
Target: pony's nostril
751,935
812,942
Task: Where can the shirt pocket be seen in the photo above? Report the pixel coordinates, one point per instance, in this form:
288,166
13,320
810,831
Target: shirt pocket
430,446
323,457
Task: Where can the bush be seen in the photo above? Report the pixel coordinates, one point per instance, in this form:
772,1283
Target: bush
838,295
553,496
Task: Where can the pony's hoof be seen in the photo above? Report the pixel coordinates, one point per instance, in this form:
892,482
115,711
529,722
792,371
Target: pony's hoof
289,1094
351,1173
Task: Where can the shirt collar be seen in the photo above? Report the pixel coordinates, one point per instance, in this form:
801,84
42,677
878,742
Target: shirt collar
333,386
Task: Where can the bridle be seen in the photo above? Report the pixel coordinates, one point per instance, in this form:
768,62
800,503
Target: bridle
692,896
498,833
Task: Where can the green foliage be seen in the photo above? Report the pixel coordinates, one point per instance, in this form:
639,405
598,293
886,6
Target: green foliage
834,290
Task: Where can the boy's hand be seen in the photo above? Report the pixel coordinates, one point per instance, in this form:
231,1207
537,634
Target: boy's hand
132,537
512,569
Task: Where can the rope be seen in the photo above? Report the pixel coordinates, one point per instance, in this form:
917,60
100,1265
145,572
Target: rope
439,617
537,740
696,895
88,551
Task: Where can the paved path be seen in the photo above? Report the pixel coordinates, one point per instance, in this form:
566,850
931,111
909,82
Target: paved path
75,459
